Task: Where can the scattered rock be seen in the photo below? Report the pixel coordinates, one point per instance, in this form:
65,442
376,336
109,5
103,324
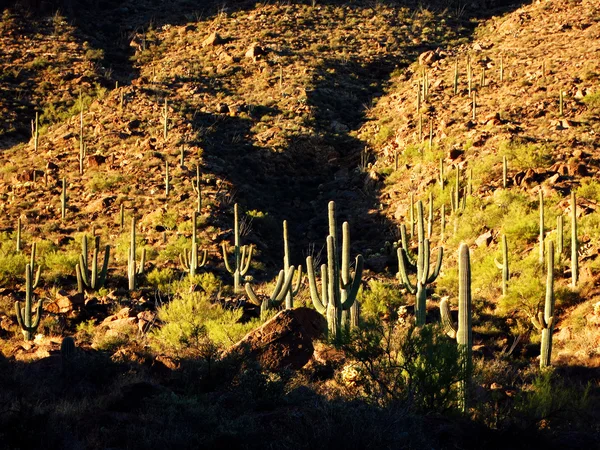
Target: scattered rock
484,240
213,39
65,302
455,153
255,51
427,58
285,341
96,160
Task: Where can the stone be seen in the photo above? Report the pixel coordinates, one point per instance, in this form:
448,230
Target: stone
67,303
145,319
427,58
484,240
51,166
285,341
213,39
255,51
96,160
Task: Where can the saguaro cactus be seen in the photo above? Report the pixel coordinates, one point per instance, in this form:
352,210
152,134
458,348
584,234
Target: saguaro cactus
545,321
94,280
504,266
574,244
462,334
423,268
197,187
541,238
339,288
292,290
132,268
24,314
282,287
189,258
242,254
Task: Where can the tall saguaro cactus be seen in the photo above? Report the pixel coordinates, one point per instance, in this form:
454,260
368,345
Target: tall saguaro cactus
24,314
423,268
541,238
189,258
242,254
545,321
132,268
292,290
94,280
462,334
574,244
338,288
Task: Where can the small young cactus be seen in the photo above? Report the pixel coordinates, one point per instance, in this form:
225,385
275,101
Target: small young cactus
63,199
545,321
541,238
18,234
28,324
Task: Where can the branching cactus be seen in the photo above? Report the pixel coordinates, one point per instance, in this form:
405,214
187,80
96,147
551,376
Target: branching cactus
293,288
190,262
504,266
282,287
462,334
94,280
423,268
24,314
132,268
545,321
338,288
242,254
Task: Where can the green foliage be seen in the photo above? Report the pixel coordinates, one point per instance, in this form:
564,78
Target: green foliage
416,364
592,100
525,155
161,279
526,290
191,320
59,264
549,396
12,264
380,298
104,182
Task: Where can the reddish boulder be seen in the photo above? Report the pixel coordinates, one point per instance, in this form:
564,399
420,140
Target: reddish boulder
285,341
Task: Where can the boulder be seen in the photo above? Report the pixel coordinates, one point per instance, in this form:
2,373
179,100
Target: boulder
285,341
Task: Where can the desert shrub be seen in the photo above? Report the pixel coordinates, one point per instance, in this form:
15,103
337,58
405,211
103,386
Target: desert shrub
525,155
380,298
12,264
419,365
191,323
59,265
161,279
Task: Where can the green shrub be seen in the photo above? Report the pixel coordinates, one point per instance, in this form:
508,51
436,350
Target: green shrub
420,365
380,298
191,322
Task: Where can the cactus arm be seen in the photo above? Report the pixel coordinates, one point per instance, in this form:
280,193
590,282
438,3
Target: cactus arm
83,272
356,282
447,323
403,274
204,258
104,270
225,258
22,317
245,262
498,264
404,242
438,266
142,262
284,286
252,295
299,281
320,304
36,281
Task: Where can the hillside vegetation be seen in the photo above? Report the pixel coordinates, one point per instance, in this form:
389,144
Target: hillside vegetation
139,139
